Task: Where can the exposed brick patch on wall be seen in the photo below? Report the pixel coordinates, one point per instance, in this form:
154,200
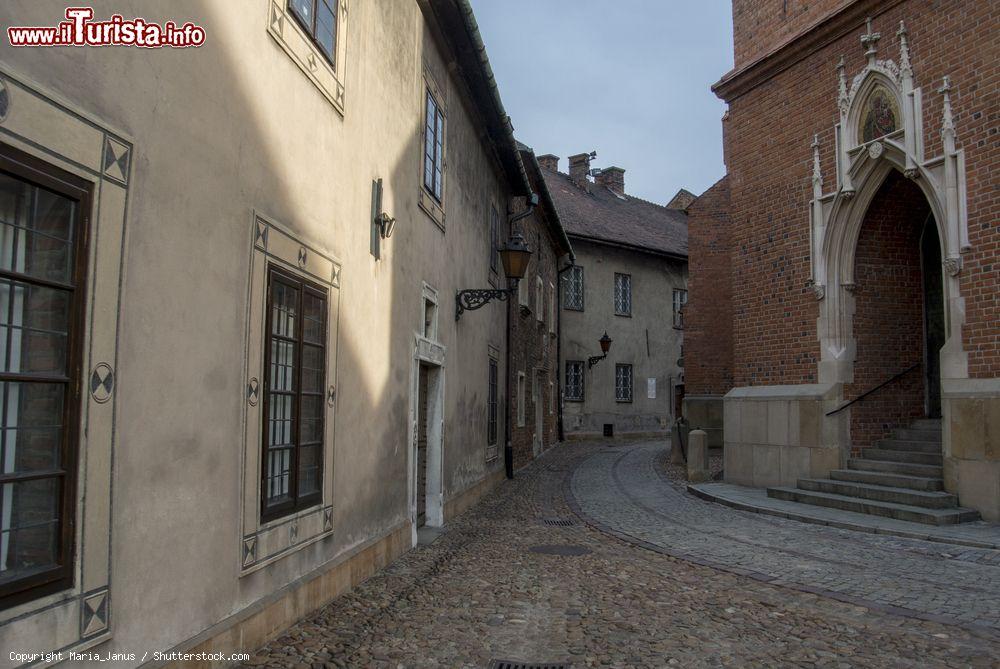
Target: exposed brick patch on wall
889,313
768,135
708,317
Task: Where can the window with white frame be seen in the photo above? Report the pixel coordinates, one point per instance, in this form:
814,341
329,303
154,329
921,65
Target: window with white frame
552,308
680,301
623,383
623,294
573,288
521,399
539,299
574,381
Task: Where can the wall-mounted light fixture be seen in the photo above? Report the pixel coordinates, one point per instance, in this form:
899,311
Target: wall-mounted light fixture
514,256
605,343
382,224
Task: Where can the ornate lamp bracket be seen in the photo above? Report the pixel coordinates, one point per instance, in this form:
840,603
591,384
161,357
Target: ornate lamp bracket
594,359
477,298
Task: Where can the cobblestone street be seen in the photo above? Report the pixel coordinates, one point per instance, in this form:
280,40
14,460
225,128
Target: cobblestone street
656,578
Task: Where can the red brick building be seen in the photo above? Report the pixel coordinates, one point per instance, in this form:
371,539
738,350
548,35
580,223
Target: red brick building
853,249
533,336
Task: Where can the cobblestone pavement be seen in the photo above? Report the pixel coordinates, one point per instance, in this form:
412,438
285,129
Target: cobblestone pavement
480,592
625,490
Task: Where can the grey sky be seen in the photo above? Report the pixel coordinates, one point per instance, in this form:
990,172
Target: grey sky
627,78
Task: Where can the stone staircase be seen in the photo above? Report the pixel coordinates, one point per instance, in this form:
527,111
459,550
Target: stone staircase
898,478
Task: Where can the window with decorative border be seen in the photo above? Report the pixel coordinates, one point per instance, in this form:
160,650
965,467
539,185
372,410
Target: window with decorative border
539,299
78,613
680,301
573,288
313,34
623,383
294,394
44,212
623,294
574,381
281,257
492,404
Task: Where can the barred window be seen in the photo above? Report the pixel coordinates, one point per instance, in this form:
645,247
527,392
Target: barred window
680,301
623,383
623,294
43,214
574,380
573,288
491,413
294,397
433,148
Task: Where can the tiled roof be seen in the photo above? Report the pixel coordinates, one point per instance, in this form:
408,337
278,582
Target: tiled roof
602,215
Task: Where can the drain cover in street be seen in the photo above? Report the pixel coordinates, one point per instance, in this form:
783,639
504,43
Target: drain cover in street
560,550
509,664
558,522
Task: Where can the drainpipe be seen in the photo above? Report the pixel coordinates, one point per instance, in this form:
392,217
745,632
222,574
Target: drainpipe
559,310
508,449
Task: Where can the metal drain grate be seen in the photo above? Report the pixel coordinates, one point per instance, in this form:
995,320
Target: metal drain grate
558,522
510,664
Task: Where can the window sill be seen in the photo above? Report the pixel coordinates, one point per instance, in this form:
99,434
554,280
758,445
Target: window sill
432,208
623,315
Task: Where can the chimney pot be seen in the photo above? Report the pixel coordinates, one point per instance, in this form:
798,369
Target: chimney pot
579,168
612,178
549,162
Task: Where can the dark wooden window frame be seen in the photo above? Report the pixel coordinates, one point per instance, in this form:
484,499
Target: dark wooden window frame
296,503
28,168
492,403
310,30
678,314
435,187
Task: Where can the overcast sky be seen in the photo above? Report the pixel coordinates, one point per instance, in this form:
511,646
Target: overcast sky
626,78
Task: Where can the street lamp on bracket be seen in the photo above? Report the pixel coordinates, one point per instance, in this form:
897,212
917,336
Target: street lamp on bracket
605,343
514,256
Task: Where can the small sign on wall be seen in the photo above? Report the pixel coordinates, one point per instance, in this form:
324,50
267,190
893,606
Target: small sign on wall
651,388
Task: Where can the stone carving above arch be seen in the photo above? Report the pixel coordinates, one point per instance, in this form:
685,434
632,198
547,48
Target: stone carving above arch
883,100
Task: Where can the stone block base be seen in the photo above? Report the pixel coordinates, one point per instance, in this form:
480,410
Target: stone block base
971,434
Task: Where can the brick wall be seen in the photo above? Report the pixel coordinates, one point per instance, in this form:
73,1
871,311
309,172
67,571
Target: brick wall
708,319
769,131
889,312
760,25
532,347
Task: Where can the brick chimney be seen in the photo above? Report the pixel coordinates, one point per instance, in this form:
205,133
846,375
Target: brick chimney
549,162
579,168
612,178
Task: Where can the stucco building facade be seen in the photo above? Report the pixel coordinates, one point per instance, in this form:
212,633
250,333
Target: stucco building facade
862,253
258,387
629,280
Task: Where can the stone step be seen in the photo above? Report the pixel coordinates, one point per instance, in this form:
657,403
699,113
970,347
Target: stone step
926,424
896,467
881,493
913,514
910,434
890,479
901,445
912,457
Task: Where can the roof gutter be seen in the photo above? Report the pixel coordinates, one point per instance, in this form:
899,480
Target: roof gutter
472,28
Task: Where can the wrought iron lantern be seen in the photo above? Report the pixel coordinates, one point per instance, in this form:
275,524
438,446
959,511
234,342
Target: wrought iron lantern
605,343
514,257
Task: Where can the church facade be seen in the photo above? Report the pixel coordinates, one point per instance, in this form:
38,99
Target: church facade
844,312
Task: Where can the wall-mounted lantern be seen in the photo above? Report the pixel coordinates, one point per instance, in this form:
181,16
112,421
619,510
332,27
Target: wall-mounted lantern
605,342
514,256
